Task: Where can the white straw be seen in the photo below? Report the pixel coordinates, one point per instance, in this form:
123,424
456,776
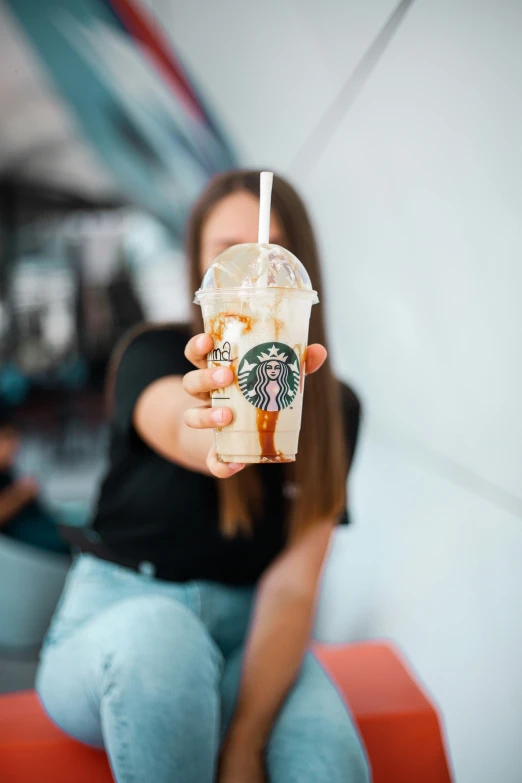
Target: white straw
265,195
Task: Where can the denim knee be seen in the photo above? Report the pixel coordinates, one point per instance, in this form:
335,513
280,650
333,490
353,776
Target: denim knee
153,637
158,695
140,678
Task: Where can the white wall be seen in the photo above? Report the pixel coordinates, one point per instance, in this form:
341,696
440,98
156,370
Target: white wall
418,201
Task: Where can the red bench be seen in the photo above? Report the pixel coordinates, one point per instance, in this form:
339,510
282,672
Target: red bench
399,726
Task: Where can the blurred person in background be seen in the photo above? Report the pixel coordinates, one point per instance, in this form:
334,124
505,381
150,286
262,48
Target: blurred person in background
181,642
23,516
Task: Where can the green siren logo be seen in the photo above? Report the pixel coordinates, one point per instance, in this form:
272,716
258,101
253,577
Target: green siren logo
269,376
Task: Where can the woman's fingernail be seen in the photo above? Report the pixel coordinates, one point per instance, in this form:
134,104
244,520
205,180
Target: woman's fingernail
201,343
234,465
218,416
221,375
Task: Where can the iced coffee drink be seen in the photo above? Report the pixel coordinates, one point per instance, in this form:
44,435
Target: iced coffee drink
256,301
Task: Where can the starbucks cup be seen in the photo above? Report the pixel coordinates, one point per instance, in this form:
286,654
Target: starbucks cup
256,301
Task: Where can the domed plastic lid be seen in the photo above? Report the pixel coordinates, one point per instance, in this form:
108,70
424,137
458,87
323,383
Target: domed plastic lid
255,268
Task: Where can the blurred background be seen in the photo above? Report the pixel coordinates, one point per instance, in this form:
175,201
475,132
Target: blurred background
401,125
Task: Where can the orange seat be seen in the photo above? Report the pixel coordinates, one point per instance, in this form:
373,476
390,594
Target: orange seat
398,724
33,750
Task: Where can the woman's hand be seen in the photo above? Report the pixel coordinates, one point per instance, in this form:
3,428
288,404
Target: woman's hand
199,383
240,764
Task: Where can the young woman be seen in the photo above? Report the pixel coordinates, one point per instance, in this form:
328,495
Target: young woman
181,640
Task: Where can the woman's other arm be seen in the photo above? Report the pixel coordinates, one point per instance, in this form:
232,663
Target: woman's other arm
278,639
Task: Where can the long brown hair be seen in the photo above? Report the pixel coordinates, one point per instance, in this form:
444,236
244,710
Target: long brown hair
318,476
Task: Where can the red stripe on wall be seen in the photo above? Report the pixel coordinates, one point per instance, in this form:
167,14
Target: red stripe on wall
141,27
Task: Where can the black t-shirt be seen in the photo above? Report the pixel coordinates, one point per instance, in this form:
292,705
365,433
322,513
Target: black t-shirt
154,510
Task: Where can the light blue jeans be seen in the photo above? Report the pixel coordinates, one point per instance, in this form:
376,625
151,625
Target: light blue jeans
150,670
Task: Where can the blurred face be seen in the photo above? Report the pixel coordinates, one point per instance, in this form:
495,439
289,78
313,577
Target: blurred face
8,447
234,221
273,370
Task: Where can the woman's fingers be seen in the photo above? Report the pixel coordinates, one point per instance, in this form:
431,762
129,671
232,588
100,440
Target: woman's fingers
315,357
207,418
199,346
199,383
197,349
221,470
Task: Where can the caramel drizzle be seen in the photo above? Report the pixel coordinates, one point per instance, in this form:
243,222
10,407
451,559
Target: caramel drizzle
266,427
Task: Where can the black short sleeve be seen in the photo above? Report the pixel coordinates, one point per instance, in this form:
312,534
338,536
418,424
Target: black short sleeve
151,355
351,410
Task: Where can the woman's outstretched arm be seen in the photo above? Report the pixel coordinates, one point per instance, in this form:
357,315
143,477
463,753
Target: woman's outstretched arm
173,414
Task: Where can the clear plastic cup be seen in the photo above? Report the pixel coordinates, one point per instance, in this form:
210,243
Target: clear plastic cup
256,302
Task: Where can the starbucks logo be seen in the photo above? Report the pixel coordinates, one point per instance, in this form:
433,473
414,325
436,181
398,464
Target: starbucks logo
269,376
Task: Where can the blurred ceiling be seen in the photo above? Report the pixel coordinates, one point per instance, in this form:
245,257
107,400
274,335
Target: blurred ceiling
39,141
98,105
